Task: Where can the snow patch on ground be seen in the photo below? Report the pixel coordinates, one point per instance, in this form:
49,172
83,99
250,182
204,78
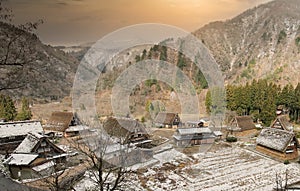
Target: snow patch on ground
169,156
232,169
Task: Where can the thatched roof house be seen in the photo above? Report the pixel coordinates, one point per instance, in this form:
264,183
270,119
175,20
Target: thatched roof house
282,122
278,143
34,157
166,119
13,133
39,144
126,129
242,123
59,121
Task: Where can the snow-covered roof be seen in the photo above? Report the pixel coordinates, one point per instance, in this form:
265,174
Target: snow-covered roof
218,133
77,128
189,131
275,138
18,128
32,143
114,148
20,159
28,143
43,166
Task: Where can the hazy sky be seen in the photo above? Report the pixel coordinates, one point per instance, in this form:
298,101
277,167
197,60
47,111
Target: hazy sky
78,21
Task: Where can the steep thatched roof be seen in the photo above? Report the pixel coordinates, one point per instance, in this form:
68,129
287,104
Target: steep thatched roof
165,118
282,122
275,139
32,142
59,121
242,123
121,127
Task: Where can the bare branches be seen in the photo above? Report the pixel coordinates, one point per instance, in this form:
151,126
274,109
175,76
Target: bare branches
5,13
17,50
282,182
106,168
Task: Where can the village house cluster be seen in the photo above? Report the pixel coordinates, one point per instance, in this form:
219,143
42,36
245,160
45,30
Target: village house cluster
31,151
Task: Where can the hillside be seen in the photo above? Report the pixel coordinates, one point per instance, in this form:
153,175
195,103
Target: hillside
261,43
33,69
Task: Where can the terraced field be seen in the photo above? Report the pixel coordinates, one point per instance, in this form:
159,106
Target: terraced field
225,169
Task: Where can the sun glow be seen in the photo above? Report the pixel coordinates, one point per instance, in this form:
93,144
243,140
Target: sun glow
82,21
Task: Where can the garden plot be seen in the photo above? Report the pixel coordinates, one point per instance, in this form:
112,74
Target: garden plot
225,169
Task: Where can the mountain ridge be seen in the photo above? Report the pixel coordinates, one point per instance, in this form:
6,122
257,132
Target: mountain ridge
46,73
260,43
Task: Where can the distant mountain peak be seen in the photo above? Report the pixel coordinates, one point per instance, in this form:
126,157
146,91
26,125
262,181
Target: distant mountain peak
262,42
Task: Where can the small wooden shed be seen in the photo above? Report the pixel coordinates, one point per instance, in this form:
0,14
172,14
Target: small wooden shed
164,119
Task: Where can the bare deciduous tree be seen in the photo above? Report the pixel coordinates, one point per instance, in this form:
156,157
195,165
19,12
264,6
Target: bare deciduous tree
60,178
107,162
17,50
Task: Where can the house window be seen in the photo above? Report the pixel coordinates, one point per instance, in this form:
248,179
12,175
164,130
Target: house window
288,151
40,150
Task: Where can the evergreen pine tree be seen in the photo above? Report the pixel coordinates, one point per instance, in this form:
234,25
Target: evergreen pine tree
25,113
7,108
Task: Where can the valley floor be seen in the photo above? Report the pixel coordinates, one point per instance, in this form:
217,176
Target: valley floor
223,167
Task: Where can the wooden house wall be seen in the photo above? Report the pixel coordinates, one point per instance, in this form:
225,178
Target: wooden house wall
26,172
9,144
135,137
71,134
194,142
176,120
277,154
246,133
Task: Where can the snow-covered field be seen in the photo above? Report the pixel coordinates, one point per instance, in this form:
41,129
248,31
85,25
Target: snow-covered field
224,169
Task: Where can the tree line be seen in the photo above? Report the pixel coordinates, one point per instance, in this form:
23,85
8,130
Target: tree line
160,52
260,99
8,111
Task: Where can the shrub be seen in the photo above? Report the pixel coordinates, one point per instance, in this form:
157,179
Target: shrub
281,37
297,41
231,139
286,162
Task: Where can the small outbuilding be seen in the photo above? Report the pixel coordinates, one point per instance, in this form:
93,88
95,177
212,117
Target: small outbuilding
199,123
164,119
193,136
